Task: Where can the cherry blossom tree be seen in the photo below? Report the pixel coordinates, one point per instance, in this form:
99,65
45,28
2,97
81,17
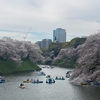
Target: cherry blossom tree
17,51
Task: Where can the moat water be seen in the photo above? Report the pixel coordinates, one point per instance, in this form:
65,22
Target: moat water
60,90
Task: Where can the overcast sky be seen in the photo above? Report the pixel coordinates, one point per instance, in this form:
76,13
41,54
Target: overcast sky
78,17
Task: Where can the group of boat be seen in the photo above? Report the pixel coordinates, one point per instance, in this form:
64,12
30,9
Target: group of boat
22,86
49,79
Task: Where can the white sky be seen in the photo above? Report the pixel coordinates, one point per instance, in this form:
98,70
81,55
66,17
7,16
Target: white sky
78,17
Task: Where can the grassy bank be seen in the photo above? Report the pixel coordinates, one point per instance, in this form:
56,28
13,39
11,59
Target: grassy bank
7,67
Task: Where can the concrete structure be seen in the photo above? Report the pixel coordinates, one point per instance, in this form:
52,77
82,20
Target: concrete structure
44,43
59,35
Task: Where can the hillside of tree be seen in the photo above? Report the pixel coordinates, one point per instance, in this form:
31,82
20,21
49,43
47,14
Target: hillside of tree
58,53
88,69
14,53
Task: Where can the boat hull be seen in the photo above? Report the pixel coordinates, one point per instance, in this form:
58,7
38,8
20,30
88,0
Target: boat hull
25,81
37,82
50,80
22,87
59,78
2,82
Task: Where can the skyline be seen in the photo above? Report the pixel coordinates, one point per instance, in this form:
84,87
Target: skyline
78,17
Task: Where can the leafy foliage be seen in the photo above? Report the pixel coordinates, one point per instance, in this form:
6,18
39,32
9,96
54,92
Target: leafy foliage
55,47
62,52
66,62
88,60
19,50
74,42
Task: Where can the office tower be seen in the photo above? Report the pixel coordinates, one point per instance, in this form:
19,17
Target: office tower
59,35
39,43
44,43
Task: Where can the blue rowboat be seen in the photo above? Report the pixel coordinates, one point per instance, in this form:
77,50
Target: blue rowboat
42,74
59,78
50,80
37,82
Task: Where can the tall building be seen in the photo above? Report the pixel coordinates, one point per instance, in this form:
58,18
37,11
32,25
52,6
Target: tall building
44,43
39,43
59,35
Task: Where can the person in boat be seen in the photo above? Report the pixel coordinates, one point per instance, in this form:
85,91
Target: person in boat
50,80
21,84
34,80
37,80
62,77
47,76
31,80
42,72
27,79
56,77
67,72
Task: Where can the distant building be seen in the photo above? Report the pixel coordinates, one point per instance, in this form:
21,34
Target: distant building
44,43
39,43
59,35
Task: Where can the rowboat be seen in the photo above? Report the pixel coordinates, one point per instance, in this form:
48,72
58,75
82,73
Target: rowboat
50,80
42,74
59,78
37,82
27,81
48,76
22,87
97,83
67,76
2,79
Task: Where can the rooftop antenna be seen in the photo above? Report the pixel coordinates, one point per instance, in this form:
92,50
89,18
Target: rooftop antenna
27,33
